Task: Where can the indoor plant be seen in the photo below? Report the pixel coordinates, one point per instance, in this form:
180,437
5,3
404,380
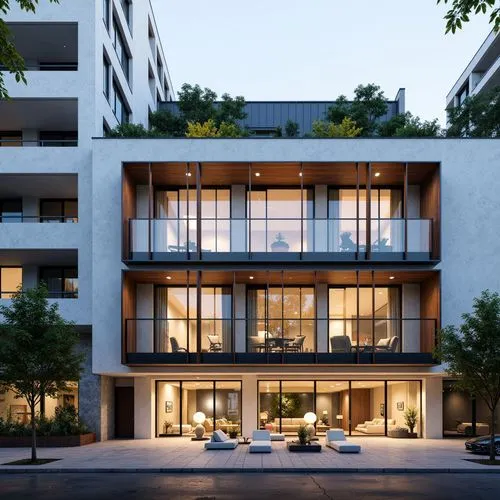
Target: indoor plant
303,435
411,419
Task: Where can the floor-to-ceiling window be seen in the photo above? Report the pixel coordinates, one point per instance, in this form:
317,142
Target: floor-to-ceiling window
348,220
359,407
368,317
281,319
176,320
278,219
178,401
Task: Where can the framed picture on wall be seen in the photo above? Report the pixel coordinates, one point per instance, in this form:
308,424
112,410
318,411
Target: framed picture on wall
382,409
169,406
400,405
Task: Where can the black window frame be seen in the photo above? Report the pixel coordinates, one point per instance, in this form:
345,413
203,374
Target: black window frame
63,217
121,49
106,12
125,111
60,294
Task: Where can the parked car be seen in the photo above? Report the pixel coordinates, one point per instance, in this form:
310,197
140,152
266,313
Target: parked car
481,445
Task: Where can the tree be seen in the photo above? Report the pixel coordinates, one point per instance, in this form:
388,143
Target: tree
132,130
478,116
37,351
347,128
291,128
368,105
10,59
197,105
407,125
472,353
210,129
460,10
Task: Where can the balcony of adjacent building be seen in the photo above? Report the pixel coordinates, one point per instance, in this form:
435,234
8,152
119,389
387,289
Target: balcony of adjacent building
38,122
280,317
23,269
39,211
281,211
50,53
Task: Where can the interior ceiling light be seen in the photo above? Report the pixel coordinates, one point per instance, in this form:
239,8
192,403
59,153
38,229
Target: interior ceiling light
391,277
300,174
257,174
188,174
377,174
169,277
251,277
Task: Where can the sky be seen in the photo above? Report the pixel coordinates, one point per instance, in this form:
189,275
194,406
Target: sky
317,49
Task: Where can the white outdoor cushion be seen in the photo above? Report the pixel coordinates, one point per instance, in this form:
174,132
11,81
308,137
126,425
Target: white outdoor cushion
220,436
230,444
275,436
335,435
344,446
260,447
261,436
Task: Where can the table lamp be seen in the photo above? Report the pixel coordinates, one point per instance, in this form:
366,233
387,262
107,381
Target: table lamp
309,419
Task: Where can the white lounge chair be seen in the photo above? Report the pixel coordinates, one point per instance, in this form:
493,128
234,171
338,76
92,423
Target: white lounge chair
261,442
335,439
221,441
276,436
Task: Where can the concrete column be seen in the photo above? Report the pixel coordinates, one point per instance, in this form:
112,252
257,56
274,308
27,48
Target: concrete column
239,297
411,309
432,410
144,310
249,404
238,222
144,412
321,215
322,323
31,136
107,407
30,207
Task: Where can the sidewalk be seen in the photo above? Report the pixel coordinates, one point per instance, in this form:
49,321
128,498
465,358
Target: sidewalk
178,455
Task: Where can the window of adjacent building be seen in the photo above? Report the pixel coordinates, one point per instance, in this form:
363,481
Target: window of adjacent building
464,93
62,282
106,68
121,50
11,139
59,210
106,12
120,109
60,139
127,10
11,210
11,278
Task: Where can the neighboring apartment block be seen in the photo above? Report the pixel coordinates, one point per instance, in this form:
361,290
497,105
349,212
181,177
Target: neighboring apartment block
252,280
481,74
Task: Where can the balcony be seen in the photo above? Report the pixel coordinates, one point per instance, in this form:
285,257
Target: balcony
293,212
280,317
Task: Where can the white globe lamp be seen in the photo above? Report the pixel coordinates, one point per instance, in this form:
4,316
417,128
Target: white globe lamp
198,418
310,418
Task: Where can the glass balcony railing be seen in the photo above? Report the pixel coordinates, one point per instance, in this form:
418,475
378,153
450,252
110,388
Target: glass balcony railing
153,239
349,337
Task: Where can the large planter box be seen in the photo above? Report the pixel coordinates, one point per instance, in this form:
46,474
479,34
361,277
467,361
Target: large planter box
303,448
47,441
402,434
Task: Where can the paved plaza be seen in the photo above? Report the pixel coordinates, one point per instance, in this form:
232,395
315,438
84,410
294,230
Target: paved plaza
378,454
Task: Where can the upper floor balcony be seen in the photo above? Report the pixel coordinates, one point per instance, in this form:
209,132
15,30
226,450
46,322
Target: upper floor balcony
281,211
280,317
29,202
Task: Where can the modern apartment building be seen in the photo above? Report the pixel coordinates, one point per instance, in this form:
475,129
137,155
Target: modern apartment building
252,280
481,74
90,65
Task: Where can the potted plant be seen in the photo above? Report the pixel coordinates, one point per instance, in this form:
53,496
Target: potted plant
411,419
303,435
233,434
280,245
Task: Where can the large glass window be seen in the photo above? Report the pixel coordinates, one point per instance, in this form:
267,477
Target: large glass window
403,397
58,138
216,312
11,210
120,108
59,210
348,226
332,406
281,319
62,282
376,325
278,219
121,50
215,223
11,139
11,278
106,74
177,402
106,12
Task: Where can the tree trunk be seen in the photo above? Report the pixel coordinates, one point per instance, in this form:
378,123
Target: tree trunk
492,443
33,434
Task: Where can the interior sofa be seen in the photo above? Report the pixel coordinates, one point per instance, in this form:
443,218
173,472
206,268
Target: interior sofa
291,425
465,428
375,426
